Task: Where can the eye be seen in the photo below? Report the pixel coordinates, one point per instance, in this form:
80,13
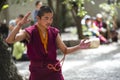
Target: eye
46,18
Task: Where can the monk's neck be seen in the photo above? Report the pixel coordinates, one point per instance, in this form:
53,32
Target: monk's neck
43,30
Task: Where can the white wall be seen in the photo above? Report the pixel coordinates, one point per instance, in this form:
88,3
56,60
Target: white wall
93,9
16,9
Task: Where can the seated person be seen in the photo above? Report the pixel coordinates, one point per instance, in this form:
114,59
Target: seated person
19,52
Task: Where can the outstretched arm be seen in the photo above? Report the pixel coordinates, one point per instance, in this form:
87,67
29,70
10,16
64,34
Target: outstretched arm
17,35
67,50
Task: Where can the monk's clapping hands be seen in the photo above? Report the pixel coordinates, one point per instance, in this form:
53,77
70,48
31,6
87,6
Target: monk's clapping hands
84,44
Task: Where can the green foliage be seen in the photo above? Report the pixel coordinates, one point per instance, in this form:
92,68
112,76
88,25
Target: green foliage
5,6
77,4
2,3
19,48
109,8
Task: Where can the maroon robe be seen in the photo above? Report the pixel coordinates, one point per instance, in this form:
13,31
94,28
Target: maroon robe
38,59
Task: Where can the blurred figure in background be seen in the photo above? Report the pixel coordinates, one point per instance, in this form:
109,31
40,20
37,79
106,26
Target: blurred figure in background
112,31
86,28
102,28
11,26
13,22
38,4
17,49
86,25
19,52
90,29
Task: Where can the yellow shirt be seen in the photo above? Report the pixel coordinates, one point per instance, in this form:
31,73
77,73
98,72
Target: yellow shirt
44,39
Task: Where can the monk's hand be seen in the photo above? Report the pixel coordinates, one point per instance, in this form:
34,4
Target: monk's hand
84,44
25,19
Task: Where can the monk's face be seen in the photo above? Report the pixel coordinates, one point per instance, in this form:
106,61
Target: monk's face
46,20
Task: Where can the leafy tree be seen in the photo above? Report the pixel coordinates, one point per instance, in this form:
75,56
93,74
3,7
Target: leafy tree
78,11
110,9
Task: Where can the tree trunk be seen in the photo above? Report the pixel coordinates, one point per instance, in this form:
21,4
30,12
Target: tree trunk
56,11
63,19
50,3
78,24
59,14
8,70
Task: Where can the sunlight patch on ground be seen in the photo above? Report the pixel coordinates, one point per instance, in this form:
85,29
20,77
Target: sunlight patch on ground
117,55
103,49
23,68
107,64
71,64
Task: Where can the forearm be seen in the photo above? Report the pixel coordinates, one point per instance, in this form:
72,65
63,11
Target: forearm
12,36
11,28
66,50
72,49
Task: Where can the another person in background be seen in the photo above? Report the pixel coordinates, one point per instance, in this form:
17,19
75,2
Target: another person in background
86,27
18,48
112,31
14,22
42,43
38,4
102,26
91,30
12,25
19,52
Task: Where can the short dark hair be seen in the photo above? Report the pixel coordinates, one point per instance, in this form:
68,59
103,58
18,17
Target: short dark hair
37,2
43,10
20,16
88,19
